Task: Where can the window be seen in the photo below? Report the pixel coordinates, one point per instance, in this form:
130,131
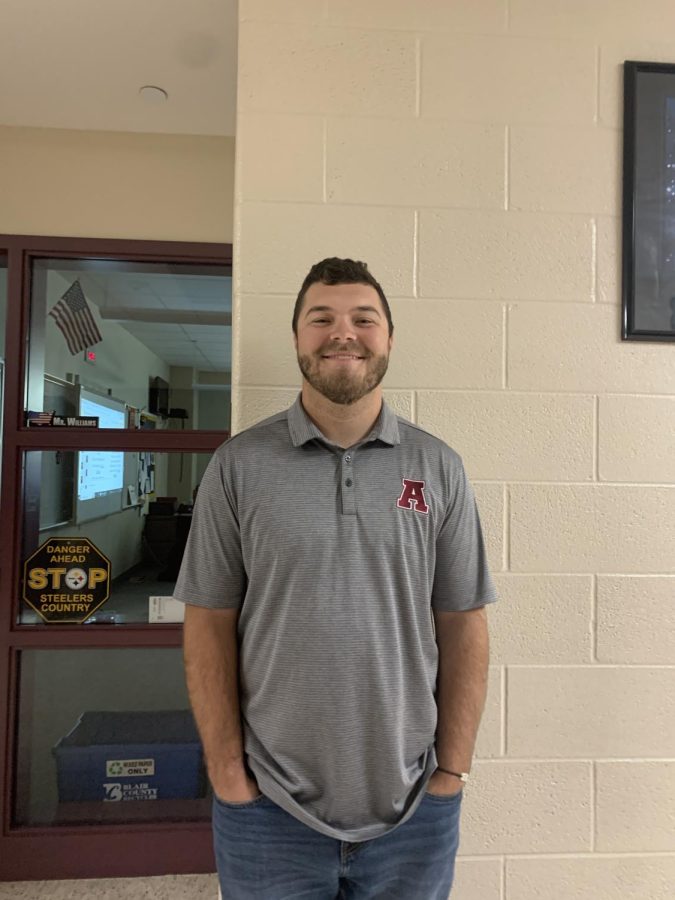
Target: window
118,355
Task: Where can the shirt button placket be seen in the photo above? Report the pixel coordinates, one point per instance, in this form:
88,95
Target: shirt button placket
348,494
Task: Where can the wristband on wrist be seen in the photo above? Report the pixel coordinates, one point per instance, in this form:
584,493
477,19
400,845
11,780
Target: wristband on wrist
463,776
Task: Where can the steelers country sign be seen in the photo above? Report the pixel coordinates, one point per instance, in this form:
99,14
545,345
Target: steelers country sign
66,579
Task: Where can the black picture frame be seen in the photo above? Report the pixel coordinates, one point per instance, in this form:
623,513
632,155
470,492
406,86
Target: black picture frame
648,240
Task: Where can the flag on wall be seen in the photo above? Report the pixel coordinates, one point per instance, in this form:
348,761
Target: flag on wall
74,318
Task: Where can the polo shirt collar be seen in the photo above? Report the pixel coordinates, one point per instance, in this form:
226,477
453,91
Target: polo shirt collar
302,429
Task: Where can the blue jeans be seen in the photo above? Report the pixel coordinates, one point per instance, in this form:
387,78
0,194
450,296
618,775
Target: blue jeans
264,853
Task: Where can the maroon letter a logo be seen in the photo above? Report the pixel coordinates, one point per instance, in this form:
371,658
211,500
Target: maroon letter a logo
413,492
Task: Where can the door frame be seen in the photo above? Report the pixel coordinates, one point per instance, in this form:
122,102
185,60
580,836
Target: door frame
37,853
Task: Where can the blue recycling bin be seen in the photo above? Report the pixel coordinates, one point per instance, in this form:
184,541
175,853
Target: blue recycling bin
122,756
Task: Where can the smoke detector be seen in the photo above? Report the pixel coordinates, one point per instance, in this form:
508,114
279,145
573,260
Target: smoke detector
153,95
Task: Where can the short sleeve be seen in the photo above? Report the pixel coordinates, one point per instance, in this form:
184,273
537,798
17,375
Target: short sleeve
212,572
461,577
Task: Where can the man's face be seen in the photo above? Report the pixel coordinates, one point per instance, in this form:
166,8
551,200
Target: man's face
343,340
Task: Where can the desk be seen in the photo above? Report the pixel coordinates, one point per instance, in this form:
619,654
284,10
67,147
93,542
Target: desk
166,537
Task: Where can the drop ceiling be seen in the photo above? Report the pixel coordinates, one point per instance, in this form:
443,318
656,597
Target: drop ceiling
183,319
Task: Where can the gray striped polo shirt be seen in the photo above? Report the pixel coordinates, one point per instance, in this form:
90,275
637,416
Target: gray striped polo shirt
336,558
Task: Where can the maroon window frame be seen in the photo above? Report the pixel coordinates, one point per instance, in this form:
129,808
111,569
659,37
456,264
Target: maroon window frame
54,852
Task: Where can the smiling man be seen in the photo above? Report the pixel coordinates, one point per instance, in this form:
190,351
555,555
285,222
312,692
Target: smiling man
336,642
347,367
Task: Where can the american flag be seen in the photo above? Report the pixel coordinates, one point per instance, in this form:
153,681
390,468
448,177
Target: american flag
40,418
74,318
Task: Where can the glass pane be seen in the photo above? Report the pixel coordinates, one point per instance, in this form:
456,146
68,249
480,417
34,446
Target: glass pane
104,534
106,736
3,319
153,338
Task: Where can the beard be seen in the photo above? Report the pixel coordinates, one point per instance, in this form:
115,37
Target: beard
344,388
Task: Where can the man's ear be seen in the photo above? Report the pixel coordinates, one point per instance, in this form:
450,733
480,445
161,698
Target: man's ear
295,341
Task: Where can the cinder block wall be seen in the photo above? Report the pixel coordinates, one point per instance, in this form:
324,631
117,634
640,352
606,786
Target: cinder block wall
470,153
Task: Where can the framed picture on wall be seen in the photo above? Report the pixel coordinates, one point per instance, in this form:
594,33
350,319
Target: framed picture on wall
648,276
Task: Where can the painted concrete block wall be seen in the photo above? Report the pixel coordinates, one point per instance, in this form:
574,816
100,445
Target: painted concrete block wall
471,154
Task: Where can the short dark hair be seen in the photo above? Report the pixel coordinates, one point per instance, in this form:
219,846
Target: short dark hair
339,271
